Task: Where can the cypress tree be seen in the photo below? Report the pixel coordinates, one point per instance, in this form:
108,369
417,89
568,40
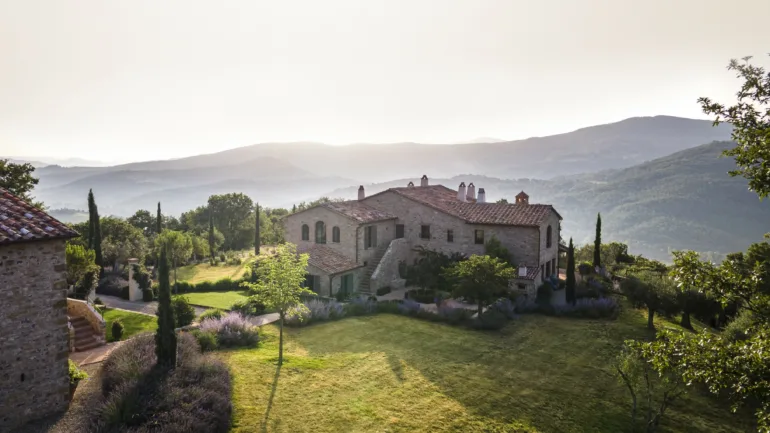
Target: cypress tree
570,289
90,219
97,239
256,233
159,221
294,208
165,336
598,242
211,238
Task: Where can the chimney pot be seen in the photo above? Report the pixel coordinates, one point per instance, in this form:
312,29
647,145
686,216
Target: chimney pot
424,180
471,192
361,194
522,198
461,192
482,196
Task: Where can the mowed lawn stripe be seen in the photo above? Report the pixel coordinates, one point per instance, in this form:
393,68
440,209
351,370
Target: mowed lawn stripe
393,373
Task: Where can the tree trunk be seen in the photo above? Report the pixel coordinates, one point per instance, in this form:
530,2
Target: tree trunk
175,283
686,320
650,317
480,308
280,341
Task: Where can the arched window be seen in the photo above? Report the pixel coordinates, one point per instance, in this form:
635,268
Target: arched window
305,232
335,234
320,232
548,236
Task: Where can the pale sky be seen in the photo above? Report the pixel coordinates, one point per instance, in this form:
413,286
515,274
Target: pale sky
148,79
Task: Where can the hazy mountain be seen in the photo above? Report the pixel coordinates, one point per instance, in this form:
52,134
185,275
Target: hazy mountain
42,161
682,201
280,174
481,140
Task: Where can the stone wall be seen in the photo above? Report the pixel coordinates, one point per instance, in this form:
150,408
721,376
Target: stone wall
386,273
347,245
78,308
386,231
550,254
522,242
34,378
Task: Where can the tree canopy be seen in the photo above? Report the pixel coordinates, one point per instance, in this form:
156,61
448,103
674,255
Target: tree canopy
480,278
18,179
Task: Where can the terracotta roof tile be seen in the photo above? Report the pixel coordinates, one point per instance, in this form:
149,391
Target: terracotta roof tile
358,211
22,222
445,200
326,259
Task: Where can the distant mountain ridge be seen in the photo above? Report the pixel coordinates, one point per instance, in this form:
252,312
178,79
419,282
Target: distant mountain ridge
681,201
281,174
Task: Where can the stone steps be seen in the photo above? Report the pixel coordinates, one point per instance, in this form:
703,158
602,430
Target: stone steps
364,287
85,338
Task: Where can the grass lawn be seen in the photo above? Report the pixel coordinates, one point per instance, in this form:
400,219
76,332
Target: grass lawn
393,373
223,300
133,323
205,272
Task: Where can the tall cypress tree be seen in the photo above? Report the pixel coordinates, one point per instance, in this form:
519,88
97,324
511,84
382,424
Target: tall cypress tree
256,233
598,242
97,239
159,221
90,219
211,238
165,337
570,289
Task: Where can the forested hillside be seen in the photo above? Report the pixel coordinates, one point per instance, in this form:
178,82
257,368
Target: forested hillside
682,201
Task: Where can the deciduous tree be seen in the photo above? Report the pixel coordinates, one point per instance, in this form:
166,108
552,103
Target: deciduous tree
18,179
79,259
178,246
480,278
280,284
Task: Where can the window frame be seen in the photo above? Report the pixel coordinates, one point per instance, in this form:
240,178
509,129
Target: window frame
549,237
476,236
450,235
320,239
305,235
402,230
335,235
425,231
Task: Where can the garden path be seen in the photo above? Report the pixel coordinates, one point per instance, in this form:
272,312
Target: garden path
142,307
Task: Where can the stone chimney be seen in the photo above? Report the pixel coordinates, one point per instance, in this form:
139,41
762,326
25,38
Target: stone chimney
424,180
361,194
461,192
482,196
522,198
410,184
471,192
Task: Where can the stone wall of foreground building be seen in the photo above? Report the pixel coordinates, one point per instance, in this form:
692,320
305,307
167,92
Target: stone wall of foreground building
34,336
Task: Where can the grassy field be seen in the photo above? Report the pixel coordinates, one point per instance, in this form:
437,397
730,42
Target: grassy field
205,272
133,323
392,373
221,300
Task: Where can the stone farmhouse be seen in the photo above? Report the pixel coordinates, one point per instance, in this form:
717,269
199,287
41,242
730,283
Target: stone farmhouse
35,336
358,244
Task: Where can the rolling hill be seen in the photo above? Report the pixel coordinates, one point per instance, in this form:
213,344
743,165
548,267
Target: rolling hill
681,201
280,174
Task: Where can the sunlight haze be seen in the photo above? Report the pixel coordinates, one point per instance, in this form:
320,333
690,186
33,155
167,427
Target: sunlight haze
142,80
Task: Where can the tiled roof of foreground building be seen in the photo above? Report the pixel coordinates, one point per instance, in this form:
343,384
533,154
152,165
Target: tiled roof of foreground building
358,211
327,260
22,222
444,199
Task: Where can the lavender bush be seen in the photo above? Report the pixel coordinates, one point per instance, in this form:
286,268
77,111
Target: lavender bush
454,316
314,310
590,308
232,329
408,307
504,306
360,306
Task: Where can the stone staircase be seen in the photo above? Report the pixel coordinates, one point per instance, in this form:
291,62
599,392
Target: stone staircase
85,337
370,267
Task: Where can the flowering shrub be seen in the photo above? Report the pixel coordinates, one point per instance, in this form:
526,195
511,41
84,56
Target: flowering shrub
590,308
504,306
314,310
408,307
454,316
231,330
360,306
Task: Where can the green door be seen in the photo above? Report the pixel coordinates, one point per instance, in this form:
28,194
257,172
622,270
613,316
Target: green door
347,284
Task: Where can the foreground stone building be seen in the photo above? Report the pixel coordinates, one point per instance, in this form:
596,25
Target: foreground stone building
358,244
34,336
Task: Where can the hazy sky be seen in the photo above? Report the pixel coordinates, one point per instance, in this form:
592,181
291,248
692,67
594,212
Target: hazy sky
145,79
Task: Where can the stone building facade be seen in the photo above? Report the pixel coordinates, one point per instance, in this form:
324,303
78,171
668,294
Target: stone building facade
433,217
34,336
